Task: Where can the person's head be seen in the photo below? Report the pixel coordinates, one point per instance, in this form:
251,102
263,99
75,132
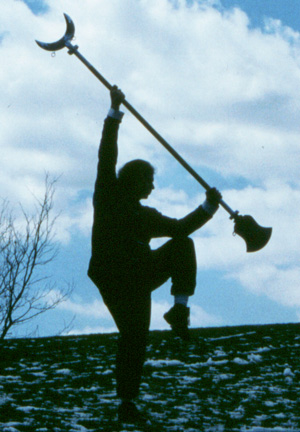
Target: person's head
136,178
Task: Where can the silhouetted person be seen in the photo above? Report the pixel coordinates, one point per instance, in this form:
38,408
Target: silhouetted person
123,266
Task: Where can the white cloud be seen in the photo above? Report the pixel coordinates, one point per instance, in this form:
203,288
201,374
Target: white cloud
90,330
216,247
77,219
95,309
198,316
217,93
158,309
279,284
216,89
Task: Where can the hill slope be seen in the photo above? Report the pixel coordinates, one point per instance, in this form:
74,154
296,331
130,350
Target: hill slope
226,379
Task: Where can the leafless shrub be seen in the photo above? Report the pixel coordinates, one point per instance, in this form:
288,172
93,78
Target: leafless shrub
25,249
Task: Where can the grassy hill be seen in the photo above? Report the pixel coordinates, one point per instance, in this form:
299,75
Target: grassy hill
226,379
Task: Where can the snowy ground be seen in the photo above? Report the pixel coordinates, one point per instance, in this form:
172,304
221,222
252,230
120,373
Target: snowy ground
228,379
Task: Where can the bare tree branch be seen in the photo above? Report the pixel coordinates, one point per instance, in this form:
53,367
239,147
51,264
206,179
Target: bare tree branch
24,252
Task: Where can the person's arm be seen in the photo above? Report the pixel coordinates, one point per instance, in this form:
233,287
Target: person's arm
108,150
163,226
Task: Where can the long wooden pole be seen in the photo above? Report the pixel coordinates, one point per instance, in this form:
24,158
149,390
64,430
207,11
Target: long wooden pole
73,49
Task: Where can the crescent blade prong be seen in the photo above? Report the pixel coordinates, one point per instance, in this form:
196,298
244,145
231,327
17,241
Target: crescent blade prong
70,31
61,43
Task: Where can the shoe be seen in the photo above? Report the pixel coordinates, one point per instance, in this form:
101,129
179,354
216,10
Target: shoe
178,318
128,413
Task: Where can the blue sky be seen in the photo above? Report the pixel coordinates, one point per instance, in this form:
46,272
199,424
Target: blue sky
220,81
257,11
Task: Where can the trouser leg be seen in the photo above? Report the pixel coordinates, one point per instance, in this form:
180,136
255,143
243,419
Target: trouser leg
130,305
129,365
176,259
132,317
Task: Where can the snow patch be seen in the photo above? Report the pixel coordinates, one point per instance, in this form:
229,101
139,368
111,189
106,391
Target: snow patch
163,363
63,371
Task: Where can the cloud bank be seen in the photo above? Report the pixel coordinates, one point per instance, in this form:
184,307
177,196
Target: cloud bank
224,94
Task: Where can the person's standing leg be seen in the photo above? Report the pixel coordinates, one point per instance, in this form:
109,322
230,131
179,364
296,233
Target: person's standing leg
131,313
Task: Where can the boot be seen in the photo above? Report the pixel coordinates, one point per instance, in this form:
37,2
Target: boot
178,318
128,413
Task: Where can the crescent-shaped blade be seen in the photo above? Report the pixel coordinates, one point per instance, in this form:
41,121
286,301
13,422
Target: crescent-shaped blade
61,43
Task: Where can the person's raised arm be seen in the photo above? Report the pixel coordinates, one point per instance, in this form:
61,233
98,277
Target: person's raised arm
108,150
116,97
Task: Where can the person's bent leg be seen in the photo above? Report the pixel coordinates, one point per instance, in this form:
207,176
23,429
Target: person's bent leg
185,267
177,259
